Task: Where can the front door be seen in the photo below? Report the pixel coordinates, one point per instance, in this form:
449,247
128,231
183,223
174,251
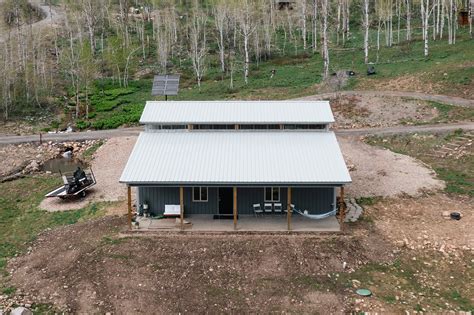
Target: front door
226,199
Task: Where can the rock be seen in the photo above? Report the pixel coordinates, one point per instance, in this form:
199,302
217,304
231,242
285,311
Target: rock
445,214
32,167
21,311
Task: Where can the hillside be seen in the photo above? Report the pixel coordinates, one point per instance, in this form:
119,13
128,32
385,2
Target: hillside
93,65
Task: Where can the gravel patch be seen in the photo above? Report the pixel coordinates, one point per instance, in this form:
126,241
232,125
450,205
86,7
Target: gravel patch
108,163
361,111
381,172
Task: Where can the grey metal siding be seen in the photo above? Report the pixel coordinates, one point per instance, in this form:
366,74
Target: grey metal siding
158,197
246,197
315,200
209,207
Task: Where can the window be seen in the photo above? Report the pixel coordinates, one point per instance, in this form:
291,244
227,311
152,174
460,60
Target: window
272,194
200,194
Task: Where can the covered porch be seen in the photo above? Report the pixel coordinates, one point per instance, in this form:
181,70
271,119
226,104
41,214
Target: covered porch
246,223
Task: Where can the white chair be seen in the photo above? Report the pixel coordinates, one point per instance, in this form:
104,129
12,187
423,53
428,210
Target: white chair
277,208
268,208
257,209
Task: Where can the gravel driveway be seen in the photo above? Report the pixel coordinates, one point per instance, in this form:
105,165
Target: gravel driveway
381,172
108,164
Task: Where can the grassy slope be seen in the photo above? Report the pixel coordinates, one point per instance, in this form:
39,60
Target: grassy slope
21,220
449,70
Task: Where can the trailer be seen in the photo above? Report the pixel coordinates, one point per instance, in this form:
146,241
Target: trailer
74,184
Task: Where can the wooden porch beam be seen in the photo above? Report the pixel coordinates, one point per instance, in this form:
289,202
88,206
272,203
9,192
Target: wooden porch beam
342,208
288,209
235,208
129,201
181,207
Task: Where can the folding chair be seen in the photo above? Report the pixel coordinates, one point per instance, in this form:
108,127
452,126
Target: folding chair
277,208
267,208
257,209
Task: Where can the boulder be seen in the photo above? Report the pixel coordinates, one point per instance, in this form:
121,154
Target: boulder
21,311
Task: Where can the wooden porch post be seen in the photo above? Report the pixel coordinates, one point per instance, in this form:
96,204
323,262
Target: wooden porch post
181,207
288,212
235,208
129,196
342,208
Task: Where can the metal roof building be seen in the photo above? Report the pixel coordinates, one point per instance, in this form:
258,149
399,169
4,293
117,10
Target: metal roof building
237,112
272,156
231,158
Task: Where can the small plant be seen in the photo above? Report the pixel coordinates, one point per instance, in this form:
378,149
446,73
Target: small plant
9,290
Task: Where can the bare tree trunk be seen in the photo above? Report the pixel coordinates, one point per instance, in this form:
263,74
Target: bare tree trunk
303,23
443,14
408,20
366,30
247,27
315,25
198,43
324,9
338,21
425,16
220,18
471,4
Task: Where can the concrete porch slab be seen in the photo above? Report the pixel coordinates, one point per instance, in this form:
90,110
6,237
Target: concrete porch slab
270,223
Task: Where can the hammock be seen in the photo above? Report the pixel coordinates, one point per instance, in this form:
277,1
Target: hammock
315,216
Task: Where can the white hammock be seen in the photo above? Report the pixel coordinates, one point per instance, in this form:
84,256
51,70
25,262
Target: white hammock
315,216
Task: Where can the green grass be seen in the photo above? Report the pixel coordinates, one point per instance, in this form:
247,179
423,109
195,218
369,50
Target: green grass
8,290
450,113
297,75
89,152
458,173
21,220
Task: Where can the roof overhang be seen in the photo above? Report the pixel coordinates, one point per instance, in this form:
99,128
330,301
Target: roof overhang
279,158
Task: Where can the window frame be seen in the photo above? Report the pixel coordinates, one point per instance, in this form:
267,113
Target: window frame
272,189
200,189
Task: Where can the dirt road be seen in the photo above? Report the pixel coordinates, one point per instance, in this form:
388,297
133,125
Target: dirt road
445,99
51,18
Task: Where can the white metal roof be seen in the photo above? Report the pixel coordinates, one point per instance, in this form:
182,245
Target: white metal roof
237,112
244,158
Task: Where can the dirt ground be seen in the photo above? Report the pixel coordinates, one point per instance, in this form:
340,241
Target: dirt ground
108,163
381,172
361,111
418,223
99,267
99,272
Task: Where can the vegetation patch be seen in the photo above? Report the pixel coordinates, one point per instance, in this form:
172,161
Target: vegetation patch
21,220
449,113
89,152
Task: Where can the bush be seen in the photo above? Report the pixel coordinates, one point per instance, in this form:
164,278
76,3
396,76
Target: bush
80,124
129,115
